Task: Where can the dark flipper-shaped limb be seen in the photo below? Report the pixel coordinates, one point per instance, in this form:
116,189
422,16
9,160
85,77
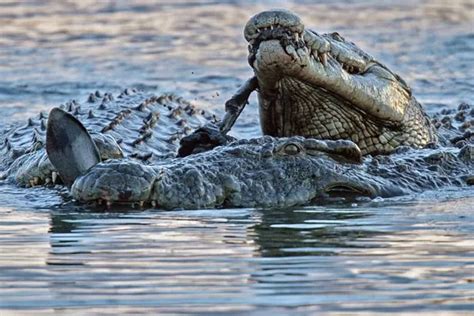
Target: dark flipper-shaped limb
70,148
210,135
235,105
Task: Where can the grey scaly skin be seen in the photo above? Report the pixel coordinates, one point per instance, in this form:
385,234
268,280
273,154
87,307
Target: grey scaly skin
34,168
272,172
311,85
266,172
132,124
324,86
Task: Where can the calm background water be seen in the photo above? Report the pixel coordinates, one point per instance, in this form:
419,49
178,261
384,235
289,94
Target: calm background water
411,254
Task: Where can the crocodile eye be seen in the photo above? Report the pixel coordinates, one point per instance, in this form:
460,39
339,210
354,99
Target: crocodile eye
291,149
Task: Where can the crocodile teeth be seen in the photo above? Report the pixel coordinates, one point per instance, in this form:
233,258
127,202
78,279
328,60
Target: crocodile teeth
36,180
350,69
297,37
324,58
290,50
153,203
315,56
47,180
108,204
54,176
316,42
32,183
301,53
141,203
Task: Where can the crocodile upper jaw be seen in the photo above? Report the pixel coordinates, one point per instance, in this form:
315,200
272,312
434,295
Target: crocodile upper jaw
323,86
280,46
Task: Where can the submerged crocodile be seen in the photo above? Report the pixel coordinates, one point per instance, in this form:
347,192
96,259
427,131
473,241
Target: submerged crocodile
134,124
314,85
266,171
272,172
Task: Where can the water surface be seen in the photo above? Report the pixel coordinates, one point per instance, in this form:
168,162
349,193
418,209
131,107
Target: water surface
411,254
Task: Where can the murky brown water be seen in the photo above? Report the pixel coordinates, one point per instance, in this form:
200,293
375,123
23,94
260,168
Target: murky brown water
412,255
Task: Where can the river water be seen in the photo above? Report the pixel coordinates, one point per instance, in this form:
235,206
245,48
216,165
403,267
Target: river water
413,254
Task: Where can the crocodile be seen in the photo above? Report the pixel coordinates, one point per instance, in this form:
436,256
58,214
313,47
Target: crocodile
138,135
324,86
309,85
272,172
134,124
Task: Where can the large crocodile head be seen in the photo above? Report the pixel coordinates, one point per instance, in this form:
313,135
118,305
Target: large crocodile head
267,172
323,86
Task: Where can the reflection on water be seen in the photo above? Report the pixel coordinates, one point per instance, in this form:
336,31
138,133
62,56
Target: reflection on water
414,254
379,256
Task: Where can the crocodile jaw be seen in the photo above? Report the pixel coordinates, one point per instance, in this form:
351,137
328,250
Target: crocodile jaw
263,172
280,47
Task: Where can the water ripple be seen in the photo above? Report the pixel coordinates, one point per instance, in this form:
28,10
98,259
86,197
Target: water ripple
412,254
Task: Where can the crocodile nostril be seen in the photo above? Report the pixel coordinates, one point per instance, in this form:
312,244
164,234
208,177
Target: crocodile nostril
269,20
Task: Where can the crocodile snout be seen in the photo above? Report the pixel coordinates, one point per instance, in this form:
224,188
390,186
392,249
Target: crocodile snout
269,20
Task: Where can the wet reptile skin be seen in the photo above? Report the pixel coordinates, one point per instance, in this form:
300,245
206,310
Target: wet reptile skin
133,123
324,86
267,171
309,85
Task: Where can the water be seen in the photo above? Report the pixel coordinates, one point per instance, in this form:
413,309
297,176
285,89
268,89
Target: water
411,254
